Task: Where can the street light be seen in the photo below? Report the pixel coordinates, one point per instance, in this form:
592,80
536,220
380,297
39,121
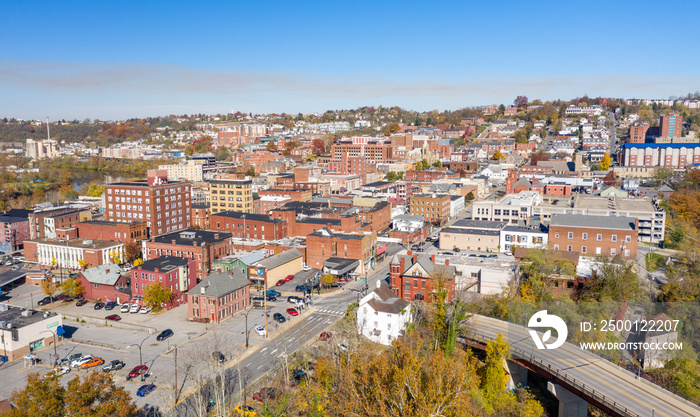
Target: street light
244,231
247,331
55,354
139,346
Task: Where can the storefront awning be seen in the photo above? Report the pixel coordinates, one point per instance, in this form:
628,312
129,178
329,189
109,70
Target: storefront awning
381,250
340,266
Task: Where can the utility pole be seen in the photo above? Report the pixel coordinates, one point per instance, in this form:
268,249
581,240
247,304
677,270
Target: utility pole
267,332
176,375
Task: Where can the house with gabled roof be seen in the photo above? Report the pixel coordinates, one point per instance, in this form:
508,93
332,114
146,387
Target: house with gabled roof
381,316
104,283
415,276
218,296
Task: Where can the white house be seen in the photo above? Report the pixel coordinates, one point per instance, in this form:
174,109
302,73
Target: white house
382,317
495,173
533,235
456,205
407,223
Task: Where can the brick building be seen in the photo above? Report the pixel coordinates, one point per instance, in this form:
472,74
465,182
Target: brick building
266,272
265,204
432,207
219,296
38,220
594,235
377,218
14,230
104,283
175,273
67,254
373,153
638,132
671,126
249,226
200,216
466,166
413,276
120,232
201,245
429,175
669,155
324,244
164,205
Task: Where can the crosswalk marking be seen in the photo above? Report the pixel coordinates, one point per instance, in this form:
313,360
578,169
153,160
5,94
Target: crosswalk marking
324,311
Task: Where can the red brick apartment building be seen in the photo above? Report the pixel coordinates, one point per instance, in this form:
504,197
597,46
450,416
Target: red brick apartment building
120,232
200,216
594,235
303,227
249,226
201,245
164,205
44,223
413,276
373,153
376,218
175,273
324,244
14,230
218,297
638,133
430,174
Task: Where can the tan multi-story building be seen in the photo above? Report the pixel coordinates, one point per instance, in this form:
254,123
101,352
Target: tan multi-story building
231,194
192,170
372,153
164,205
432,207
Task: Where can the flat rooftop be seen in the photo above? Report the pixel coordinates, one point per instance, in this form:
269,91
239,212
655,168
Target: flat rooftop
79,243
14,315
626,204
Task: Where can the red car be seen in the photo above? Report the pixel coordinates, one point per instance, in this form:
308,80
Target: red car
137,371
280,282
292,312
325,336
289,277
343,279
267,393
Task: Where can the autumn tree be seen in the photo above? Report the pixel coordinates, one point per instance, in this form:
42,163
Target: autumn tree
132,250
493,374
95,190
72,287
391,176
156,295
250,172
520,136
95,394
605,162
613,280
328,280
319,147
271,146
610,179
498,156
520,102
49,287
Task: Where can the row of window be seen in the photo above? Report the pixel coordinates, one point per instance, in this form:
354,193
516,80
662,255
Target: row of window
598,250
127,191
599,237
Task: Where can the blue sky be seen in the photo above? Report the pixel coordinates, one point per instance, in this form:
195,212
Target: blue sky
114,60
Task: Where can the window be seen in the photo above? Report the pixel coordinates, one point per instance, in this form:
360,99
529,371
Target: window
556,247
569,248
583,249
612,251
556,235
614,238
571,235
628,239
584,236
599,237
597,251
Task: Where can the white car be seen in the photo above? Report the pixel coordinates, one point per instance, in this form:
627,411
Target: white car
306,268
260,330
125,308
508,253
145,310
76,363
135,308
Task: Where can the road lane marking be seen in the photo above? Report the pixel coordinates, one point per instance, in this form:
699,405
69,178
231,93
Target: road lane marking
263,350
273,352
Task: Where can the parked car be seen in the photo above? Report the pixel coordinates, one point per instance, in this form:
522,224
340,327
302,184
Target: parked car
457,250
265,393
145,310
306,268
292,312
280,283
99,306
134,308
343,346
145,390
218,356
294,299
92,363
44,301
260,330
325,336
472,255
302,288
70,358
493,256
274,293
483,256
271,298
137,371
16,267
278,317
343,279
113,366
164,335
245,411
81,302
81,360
415,247
289,277
110,305
125,308
113,317
508,253
63,297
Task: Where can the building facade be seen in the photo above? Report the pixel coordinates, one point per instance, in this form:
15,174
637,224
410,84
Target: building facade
174,273
228,193
594,235
218,297
432,207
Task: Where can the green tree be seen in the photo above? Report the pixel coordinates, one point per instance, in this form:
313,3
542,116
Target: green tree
520,136
155,295
391,176
493,375
469,197
399,175
614,280
72,288
437,164
250,172
95,190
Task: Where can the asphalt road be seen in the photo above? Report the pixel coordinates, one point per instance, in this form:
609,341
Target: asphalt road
609,381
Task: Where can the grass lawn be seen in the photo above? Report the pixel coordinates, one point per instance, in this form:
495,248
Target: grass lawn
654,262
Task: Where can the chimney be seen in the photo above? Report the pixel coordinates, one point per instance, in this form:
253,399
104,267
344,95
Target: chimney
415,258
447,262
172,241
194,244
216,236
230,273
409,253
107,271
403,265
432,258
